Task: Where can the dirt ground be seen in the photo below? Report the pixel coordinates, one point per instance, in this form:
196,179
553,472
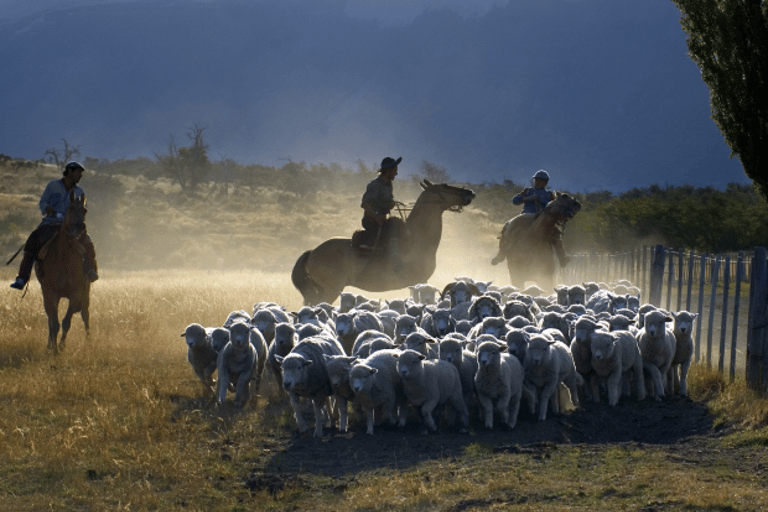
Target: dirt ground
681,426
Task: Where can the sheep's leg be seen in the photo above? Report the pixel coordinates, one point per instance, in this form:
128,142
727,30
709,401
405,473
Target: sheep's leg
223,385
426,415
656,380
594,382
684,377
341,403
502,406
547,398
614,387
487,408
514,410
369,420
318,404
639,381
242,392
298,411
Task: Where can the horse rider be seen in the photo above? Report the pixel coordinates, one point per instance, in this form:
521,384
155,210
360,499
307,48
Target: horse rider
378,201
53,205
534,199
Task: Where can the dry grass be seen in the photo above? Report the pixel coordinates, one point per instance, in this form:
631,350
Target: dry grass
119,422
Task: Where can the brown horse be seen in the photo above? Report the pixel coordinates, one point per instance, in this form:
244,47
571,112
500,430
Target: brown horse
59,270
528,250
322,273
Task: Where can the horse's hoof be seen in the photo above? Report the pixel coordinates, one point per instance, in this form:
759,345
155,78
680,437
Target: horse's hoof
496,260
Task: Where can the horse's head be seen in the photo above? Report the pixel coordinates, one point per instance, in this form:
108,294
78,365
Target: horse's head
564,206
74,219
452,197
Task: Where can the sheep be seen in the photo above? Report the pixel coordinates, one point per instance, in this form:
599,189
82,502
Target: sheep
422,343
553,320
562,295
338,368
518,308
305,375
581,352
681,362
236,364
657,345
260,344
548,363
374,345
266,317
601,300
405,325
493,325
615,354
484,306
397,305
201,354
352,323
590,288
236,316
517,343
219,338
499,379
459,292
453,351
388,318
463,327
423,293
518,322
430,383
285,338
314,315
378,387
621,322
438,323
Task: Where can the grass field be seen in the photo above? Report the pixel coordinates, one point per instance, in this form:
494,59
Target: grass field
118,421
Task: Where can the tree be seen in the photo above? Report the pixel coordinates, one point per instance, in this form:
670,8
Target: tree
435,173
728,41
189,166
65,156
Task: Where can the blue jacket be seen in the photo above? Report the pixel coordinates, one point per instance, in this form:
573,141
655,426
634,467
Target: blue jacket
544,195
56,195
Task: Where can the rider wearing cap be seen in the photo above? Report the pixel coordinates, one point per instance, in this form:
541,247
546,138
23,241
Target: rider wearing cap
378,201
53,205
534,199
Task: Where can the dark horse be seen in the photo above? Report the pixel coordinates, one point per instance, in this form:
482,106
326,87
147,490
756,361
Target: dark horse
60,271
322,273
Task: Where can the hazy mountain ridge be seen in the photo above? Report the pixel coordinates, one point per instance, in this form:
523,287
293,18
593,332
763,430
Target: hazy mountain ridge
599,92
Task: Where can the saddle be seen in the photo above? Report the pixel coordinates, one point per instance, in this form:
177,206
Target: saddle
357,239
44,249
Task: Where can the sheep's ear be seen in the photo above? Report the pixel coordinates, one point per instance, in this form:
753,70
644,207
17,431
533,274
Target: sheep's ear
422,357
183,334
279,359
373,370
307,363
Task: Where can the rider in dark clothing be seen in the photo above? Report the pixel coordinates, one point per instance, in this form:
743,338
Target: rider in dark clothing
53,205
378,201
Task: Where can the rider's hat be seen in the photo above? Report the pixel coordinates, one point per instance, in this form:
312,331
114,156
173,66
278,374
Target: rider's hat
71,166
541,175
389,163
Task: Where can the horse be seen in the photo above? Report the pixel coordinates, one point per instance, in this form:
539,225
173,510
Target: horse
322,273
527,242
60,272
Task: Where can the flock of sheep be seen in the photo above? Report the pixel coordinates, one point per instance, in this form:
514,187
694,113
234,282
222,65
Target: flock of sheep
480,350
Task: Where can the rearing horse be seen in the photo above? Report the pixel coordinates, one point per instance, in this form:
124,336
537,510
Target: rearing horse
322,273
60,272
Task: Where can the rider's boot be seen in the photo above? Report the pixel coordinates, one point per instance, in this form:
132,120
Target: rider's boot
505,242
25,270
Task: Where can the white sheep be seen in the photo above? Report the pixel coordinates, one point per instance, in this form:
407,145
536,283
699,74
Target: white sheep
438,322
422,343
657,345
499,381
519,309
405,325
496,326
581,351
559,321
616,355
423,293
430,383
547,364
236,364
305,375
484,306
201,354
338,368
677,377
378,388
350,324
452,350
285,338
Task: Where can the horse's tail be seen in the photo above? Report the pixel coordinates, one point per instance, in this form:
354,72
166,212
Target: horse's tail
301,280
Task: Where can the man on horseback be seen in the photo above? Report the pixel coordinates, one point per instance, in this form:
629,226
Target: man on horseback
53,204
534,200
378,201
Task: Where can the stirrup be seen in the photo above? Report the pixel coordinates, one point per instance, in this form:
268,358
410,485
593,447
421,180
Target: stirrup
91,275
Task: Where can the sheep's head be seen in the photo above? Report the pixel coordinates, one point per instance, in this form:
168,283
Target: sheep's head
603,345
360,377
489,354
409,363
239,335
538,350
219,338
418,341
294,367
451,351
684,321
194,335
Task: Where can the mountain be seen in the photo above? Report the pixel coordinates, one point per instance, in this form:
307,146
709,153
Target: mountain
599,92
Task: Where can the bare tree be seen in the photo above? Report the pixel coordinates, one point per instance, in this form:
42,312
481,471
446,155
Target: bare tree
435,173
61,158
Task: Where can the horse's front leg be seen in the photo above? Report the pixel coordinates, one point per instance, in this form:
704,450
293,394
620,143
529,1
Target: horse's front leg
52,311
66,322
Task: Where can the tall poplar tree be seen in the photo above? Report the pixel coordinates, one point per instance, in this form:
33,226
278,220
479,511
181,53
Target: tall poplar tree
728,41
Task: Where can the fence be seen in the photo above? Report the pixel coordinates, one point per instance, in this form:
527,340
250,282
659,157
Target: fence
712,286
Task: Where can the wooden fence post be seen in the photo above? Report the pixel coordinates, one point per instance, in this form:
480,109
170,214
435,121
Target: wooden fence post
757,320
736,303
690,284
679,279
670,278
657,276
724,318
702,281
712,302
